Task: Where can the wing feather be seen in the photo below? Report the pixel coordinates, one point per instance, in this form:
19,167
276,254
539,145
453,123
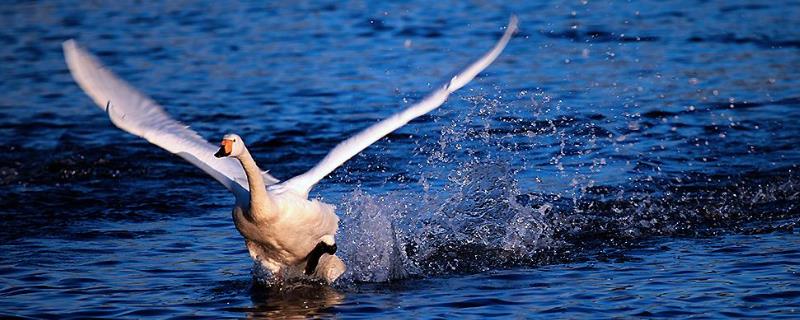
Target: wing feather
137,114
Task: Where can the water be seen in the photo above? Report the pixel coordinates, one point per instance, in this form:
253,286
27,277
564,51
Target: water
619,159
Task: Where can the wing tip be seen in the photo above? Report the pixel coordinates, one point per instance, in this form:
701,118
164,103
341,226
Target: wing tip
73,54
69,43
513,24
70,47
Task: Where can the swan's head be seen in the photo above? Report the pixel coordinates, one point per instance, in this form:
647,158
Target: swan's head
231,146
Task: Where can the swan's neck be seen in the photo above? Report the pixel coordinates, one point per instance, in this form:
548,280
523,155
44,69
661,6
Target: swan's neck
260,203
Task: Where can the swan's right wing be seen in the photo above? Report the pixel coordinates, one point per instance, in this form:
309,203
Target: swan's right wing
352,146
136,113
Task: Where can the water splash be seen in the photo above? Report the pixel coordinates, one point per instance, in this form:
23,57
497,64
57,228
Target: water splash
401,235
454,221
468,213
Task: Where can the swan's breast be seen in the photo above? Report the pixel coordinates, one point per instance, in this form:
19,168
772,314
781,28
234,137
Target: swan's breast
293,232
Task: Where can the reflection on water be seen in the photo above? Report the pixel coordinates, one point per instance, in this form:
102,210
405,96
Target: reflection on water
292,301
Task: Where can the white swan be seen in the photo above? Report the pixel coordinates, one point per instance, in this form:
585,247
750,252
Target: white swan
284,231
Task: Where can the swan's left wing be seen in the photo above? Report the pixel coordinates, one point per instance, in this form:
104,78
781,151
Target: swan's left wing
136,113
352,146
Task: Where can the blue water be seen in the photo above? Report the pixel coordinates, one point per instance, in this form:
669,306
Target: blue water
618,160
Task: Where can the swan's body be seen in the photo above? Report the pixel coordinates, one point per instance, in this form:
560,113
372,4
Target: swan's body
287,233
281,227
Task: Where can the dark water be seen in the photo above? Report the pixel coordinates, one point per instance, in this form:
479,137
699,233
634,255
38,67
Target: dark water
619,159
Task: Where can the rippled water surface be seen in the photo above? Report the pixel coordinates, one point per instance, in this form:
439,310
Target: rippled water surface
619,159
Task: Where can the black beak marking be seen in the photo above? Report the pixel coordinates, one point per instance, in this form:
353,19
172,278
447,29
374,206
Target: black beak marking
221,152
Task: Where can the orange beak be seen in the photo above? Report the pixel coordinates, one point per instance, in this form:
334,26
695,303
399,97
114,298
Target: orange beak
225,149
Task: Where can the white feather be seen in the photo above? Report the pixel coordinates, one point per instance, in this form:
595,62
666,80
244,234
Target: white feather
136,113
347,149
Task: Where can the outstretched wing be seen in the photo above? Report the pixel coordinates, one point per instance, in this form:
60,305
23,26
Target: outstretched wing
136,113
352,146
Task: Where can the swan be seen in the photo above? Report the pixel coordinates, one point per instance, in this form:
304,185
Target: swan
285,232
